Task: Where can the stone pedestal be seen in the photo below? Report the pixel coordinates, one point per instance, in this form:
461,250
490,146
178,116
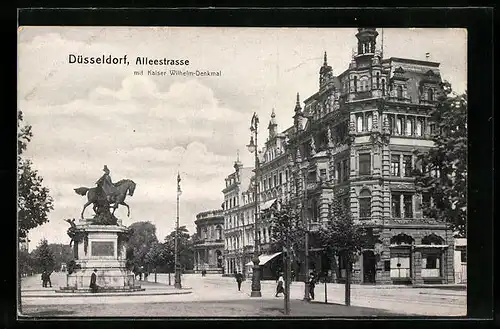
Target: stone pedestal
101,247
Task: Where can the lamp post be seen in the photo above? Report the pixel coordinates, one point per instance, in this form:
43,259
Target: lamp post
305,220
252,147
177,277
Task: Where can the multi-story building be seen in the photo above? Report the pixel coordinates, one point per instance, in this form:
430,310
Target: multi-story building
209,245
237,214
354,141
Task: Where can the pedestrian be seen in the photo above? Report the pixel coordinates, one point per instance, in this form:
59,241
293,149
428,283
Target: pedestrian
312,284
44,279
239,280
280,287
48,279
93,281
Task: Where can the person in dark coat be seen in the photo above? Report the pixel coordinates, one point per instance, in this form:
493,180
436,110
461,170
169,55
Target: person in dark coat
48,279
312,284
44,279
239,280
93,281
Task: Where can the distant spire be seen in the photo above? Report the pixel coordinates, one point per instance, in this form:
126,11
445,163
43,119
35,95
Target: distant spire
238,155
325,62
297,104
273,115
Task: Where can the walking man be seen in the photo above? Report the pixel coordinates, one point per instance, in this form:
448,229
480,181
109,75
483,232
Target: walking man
48,279
312,284
93,281
44,279
239,279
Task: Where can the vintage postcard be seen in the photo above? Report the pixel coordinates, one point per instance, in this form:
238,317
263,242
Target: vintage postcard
242,172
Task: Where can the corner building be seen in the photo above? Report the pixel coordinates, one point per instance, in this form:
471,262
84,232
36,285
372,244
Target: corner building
209,246
354,139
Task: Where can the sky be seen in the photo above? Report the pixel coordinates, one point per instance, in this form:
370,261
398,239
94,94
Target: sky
148,128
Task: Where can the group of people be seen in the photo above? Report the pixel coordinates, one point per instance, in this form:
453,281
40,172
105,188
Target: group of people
46,279
280,288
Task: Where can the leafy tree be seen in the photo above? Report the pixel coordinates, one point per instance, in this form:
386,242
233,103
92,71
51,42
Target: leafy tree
26,262
63,254
442,171
44,258
34,202
343,238
285,221
185,247
142,238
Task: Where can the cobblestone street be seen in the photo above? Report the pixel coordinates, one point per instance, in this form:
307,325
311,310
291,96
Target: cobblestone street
214,295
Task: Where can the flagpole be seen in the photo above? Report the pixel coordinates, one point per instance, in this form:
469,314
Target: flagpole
177,276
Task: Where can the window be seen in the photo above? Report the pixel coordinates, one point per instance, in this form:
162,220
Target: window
369,122
339,178
275,178
399,126
432,128
430,94
409,127
322,174
359,120
426,200
431,266
270,181
364,164
365,204
463,256
407,165
383,87
281,178
378,80
396,205
390,119
265,184
355,84
407,199
395,170
286,175
399,91
400,266
345,175
418,131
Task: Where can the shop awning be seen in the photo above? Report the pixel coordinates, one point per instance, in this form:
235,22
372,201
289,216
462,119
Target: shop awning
264,259
431,246
268,204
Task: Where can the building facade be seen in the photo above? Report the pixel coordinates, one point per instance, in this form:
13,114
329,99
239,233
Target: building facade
209,246
238,216
354,140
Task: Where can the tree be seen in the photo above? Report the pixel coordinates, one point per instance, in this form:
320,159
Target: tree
442,171
185,247
345,239
44,258
33,199
26,262
142,239
63,254
34,202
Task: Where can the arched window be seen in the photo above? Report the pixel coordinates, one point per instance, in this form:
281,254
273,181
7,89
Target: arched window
219,232
378,80
400,92
409,127
383,87
355,84
360,123
432,239
369,122
418,131
365,201
430,94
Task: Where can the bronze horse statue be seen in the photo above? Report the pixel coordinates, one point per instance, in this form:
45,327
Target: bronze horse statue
95,194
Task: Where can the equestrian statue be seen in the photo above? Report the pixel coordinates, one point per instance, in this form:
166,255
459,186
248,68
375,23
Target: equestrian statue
107,195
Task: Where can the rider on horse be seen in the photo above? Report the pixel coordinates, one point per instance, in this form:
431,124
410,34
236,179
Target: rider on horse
106,185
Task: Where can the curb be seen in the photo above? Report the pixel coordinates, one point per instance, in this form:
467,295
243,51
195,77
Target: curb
97,294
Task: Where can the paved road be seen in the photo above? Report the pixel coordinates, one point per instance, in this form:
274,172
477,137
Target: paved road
214,288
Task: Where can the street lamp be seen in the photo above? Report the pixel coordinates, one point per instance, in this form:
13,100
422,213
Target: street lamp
177,276
252,148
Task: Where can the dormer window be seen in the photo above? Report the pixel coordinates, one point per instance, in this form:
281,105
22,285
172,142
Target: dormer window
399,91
430,94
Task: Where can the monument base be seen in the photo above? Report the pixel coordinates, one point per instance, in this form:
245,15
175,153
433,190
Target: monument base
106,256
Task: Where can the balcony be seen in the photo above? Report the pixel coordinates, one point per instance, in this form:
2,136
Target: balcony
399,99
